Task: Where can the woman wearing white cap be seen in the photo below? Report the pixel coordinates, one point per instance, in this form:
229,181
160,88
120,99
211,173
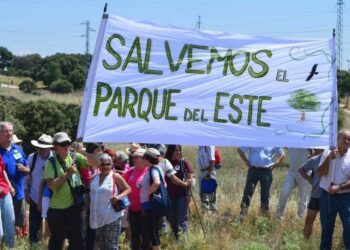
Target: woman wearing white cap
137,219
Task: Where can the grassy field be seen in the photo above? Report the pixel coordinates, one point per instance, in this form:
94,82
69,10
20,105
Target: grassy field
72,98
12,80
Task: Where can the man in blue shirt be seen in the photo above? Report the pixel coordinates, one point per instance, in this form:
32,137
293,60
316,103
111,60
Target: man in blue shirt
16,169
206,170
260,163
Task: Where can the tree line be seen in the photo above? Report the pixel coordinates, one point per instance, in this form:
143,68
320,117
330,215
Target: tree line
62,73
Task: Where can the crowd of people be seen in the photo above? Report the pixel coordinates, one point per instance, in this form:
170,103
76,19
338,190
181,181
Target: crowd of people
92,195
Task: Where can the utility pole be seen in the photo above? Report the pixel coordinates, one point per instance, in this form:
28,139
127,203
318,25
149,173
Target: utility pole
340,6
88,29
198,24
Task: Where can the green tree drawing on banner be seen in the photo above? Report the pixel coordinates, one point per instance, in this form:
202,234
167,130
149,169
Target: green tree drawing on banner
303,101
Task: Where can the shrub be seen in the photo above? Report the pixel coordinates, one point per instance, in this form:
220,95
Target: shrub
291,240
27,86
77,78
61,86
47,117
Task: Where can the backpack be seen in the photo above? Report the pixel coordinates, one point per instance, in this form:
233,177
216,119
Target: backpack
160,203
76,191
52,161
218,158
35,156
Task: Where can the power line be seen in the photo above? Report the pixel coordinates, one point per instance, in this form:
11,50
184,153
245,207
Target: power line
198,24
87,36
340,6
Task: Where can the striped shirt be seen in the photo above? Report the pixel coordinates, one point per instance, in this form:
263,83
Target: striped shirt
338,173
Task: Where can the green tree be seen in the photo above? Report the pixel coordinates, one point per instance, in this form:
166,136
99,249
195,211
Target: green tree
5,57
304,100
61,86
27,62
343,78
52,73
27,86
77,78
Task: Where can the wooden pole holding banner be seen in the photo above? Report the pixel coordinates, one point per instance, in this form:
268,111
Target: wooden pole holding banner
91,75
334,110
333,163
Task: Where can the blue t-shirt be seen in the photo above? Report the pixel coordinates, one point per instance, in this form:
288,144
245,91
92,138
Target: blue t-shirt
262,156
17,179
313,164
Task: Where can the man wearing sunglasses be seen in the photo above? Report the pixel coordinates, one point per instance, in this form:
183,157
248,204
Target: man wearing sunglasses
62,176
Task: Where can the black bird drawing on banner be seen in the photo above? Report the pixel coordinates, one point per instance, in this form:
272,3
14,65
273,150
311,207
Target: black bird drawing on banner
312,73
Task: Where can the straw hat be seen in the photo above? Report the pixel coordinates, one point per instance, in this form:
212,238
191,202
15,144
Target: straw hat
132,148
44,141
15,139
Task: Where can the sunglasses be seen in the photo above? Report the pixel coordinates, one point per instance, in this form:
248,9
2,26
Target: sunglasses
65,144
105,164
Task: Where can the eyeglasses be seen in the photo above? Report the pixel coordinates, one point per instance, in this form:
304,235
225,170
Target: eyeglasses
105,164
65,144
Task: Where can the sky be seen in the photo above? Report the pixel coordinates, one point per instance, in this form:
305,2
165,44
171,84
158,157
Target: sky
47,27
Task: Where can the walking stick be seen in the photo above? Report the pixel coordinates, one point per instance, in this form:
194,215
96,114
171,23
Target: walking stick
194,202
199,215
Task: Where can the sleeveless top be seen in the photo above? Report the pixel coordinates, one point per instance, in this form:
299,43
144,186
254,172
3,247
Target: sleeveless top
101,210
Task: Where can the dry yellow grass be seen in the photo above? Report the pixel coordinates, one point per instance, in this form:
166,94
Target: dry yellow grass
72,98
15,80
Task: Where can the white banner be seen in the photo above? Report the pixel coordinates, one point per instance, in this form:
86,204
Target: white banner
156,84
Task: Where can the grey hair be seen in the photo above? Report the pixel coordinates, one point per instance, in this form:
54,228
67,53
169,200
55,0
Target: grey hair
106,157
343,131
5,124
122,156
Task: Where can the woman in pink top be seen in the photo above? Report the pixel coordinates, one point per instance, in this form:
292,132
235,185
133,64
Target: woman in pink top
137,220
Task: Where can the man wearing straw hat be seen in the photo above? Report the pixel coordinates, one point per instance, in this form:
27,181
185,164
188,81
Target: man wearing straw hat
36,162
335,183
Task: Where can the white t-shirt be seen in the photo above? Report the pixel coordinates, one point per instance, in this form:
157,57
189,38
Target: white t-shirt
101,210
339,168
36,176
167,167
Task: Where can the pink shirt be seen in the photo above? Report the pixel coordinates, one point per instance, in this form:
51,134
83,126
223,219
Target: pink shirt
134,177
86,174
